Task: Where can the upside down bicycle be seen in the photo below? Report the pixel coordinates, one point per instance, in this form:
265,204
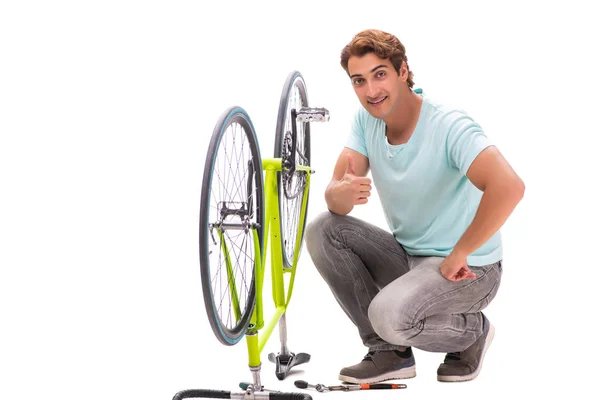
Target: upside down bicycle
245,201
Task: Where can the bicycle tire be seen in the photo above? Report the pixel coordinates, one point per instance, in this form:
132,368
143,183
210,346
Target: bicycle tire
242,203
293,95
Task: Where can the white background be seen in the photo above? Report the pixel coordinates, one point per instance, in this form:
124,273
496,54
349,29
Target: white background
106,110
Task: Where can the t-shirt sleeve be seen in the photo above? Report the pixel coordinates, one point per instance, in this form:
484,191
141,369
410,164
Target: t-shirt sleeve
465,141
356,140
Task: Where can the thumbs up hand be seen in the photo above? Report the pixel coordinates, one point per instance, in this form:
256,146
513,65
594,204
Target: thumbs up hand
353,188
350,167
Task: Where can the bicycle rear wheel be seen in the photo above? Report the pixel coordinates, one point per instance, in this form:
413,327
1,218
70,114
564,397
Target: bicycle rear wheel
231,211
290,181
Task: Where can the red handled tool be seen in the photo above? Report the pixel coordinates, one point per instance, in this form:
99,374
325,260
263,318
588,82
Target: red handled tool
345,388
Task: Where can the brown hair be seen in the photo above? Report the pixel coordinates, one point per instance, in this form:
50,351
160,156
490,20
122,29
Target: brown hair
383,44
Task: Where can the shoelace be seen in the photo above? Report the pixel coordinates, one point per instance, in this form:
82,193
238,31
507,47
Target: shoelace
369,356
453,356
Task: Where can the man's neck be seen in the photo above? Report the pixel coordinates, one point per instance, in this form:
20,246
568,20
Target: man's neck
400,125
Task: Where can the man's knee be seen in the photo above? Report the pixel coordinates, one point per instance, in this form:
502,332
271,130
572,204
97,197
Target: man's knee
317,230
392,322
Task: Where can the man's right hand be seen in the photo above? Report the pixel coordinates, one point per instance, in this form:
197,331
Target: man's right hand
352,189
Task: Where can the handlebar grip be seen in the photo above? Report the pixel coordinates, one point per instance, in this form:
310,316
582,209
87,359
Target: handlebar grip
202,393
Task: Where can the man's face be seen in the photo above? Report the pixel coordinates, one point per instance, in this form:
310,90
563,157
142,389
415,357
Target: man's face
376,83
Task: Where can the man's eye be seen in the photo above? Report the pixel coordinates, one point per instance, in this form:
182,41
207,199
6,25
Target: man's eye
380,74
357,81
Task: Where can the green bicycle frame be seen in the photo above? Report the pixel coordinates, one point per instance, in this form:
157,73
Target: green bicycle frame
256,345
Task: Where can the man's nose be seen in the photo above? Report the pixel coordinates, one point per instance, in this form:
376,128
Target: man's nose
372,89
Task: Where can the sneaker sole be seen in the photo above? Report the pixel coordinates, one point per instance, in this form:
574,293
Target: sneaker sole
404,373
472,375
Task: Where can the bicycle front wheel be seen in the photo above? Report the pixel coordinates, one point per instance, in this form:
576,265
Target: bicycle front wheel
231,214
291,181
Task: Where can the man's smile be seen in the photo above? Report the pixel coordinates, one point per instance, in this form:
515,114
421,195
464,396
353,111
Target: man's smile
377,101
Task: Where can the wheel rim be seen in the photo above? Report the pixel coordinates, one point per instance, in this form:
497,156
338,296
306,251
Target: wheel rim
291,185
232,199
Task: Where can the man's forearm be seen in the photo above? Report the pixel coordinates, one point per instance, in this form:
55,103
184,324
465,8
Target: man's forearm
497,203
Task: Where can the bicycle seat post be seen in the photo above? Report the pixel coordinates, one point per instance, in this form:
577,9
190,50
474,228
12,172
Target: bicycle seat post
283,336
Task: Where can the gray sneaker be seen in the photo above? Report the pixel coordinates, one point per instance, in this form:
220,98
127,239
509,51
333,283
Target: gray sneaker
466,365
380,366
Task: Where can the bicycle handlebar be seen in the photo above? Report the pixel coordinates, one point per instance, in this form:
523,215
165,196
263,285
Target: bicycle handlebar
222,394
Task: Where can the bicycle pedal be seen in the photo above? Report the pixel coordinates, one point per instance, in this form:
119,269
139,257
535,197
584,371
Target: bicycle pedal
312,114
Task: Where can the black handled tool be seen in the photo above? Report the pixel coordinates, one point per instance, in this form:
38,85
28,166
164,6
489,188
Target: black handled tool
345,388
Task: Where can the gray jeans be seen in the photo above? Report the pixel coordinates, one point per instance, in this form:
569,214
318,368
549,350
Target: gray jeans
396,300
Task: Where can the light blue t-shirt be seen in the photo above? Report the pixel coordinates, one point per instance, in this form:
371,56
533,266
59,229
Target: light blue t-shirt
427,199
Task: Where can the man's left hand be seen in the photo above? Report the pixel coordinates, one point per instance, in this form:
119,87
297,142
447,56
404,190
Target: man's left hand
455,268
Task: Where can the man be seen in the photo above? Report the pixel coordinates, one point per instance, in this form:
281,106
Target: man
445,192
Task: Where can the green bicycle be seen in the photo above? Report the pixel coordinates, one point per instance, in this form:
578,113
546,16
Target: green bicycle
239,211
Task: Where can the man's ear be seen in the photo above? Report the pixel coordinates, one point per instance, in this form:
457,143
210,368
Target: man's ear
403,75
